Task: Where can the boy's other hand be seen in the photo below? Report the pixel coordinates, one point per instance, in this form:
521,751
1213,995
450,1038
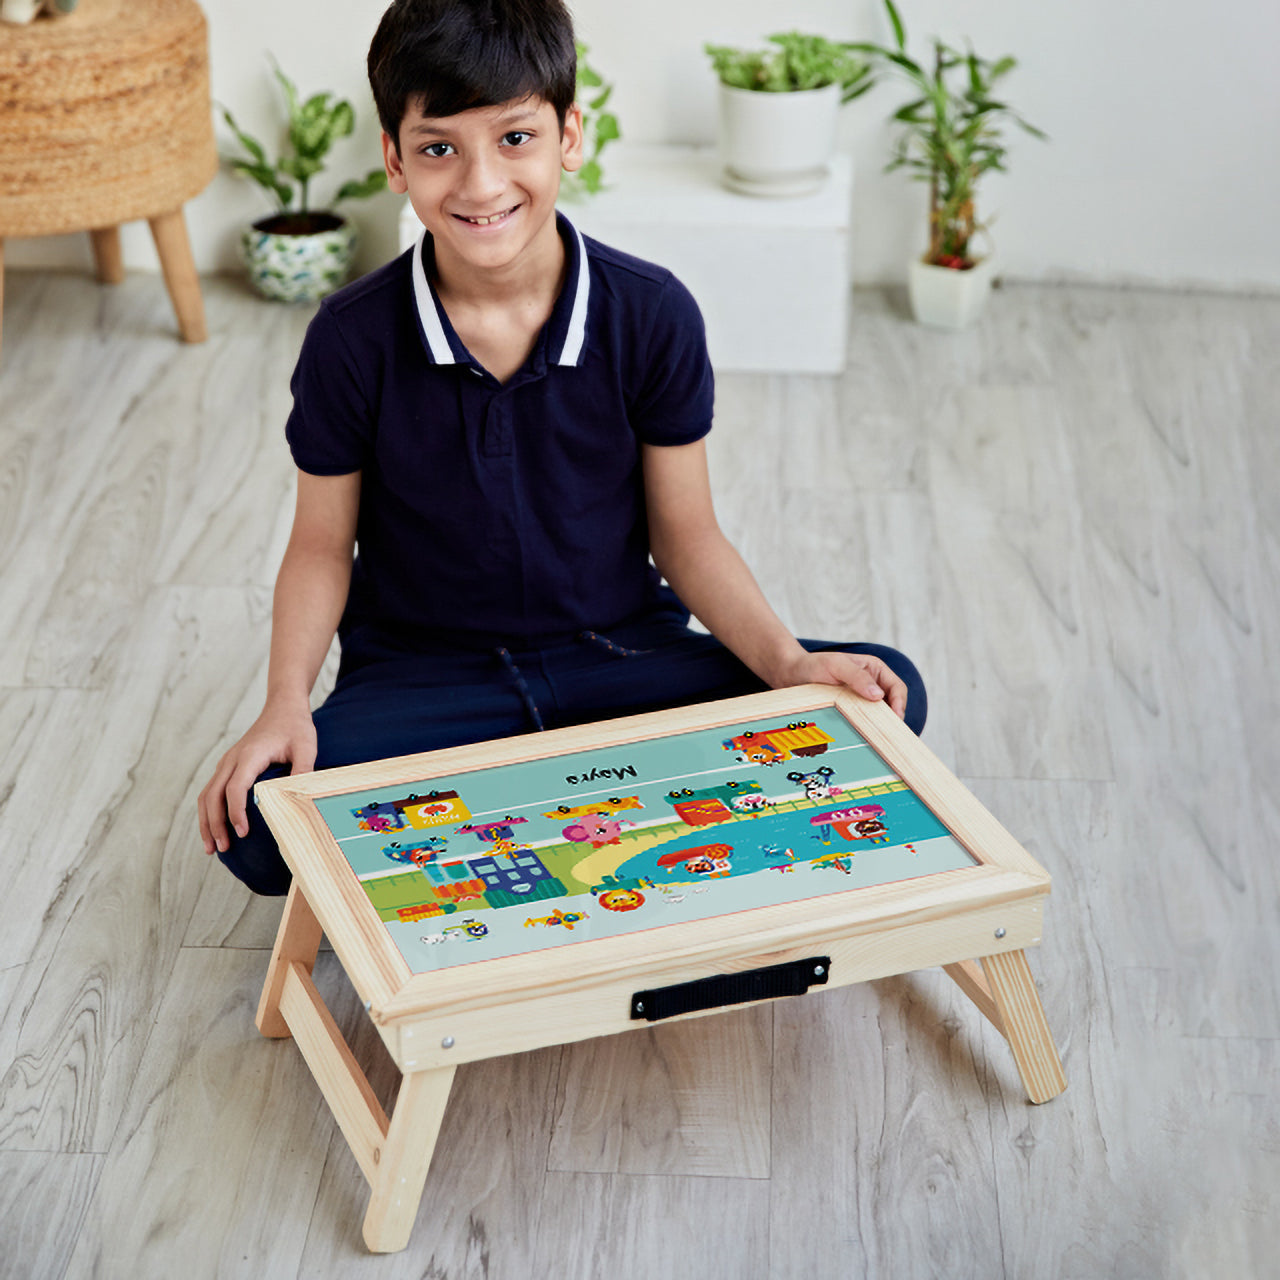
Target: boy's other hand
866,675
278,736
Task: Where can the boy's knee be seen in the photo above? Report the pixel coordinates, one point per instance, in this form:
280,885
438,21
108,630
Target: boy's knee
254,859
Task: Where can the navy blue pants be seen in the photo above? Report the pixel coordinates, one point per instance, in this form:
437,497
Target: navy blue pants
390,702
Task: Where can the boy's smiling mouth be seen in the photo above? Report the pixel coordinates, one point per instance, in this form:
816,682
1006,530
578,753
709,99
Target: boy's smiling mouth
489,220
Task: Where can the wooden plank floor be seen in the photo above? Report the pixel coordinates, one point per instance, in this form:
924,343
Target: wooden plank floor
1069,516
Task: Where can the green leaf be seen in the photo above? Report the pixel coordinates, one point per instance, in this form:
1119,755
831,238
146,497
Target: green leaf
315,106
263,174
597,103
976,84
301,167
343,119
901,60
372,183
290,91
253,147
857,92
606,129
899,31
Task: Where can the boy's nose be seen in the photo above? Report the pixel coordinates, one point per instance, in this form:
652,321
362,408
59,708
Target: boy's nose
482,181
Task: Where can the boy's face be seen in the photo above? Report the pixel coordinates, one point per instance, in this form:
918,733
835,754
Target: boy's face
484,182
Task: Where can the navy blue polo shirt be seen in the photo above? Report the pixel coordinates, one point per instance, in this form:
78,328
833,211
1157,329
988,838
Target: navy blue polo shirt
497,512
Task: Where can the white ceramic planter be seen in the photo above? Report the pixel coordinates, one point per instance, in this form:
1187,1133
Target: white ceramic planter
297,268
948,299
777,144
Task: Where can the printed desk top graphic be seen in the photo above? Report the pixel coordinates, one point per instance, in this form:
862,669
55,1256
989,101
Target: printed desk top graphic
522,857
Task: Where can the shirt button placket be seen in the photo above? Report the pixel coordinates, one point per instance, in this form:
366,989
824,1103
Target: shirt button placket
497,429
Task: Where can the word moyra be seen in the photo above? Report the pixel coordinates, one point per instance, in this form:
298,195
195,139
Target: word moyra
626,771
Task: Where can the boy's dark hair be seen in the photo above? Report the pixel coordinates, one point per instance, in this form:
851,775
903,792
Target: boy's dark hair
452,55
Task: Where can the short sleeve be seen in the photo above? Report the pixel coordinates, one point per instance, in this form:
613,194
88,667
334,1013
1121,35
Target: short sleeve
677,388
330,427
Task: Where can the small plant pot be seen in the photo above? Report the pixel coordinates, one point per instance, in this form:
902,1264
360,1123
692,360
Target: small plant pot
945,298
298,257
777,144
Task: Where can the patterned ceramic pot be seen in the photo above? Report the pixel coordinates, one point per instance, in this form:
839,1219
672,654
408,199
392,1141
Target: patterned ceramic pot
289,264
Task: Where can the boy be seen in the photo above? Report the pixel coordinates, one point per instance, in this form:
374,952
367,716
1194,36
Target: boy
504,424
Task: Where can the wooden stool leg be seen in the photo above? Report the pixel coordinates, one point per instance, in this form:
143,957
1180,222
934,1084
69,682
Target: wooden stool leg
107,255
169,231
297,941
1022,1020
1,290
406,1157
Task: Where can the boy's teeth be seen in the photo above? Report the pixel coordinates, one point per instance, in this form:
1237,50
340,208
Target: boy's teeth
484,222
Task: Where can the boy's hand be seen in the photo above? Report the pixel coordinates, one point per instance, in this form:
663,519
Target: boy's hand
867,676
278,736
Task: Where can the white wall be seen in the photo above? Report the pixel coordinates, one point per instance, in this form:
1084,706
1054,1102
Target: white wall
1165,124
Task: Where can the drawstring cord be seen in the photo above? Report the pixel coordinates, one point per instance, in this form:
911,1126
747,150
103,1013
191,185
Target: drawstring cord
608,645
522,685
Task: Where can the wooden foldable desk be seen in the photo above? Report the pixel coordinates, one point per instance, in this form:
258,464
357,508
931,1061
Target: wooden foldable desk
549,888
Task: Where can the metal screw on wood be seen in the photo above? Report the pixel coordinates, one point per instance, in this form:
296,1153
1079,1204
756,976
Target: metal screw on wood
1000,932
818,971
639,1006
447,1042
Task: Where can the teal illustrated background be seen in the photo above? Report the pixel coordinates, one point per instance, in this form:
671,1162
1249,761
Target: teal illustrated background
524,857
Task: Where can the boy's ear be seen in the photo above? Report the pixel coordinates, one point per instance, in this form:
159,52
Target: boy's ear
395,168
571,140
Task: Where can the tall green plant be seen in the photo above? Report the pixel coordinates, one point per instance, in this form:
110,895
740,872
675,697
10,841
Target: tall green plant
798,62
951,133
314,126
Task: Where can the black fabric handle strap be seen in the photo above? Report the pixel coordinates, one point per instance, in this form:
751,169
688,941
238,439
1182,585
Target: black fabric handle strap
792,979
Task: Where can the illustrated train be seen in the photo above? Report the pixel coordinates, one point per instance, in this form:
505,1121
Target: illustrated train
706,805
773,746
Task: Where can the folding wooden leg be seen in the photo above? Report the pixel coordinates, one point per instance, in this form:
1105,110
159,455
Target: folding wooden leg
107,254
405,1158
169,231
1004,990
297,941
394,1155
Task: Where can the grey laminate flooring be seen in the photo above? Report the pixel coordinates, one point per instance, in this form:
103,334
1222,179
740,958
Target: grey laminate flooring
1069,516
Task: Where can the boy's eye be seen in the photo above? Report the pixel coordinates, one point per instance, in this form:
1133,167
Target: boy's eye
516,138
437,149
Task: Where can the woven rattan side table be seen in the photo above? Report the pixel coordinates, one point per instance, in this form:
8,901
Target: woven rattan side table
105,118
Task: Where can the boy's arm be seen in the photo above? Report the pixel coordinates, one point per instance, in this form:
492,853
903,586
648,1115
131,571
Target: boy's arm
714,583
311,591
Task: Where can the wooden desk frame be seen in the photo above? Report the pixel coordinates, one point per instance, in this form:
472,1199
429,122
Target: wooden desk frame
976,922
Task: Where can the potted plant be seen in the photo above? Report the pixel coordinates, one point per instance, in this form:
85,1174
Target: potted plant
951,134
300,254
778,110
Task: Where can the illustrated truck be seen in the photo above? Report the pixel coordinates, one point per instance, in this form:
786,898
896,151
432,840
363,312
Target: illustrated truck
773,746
